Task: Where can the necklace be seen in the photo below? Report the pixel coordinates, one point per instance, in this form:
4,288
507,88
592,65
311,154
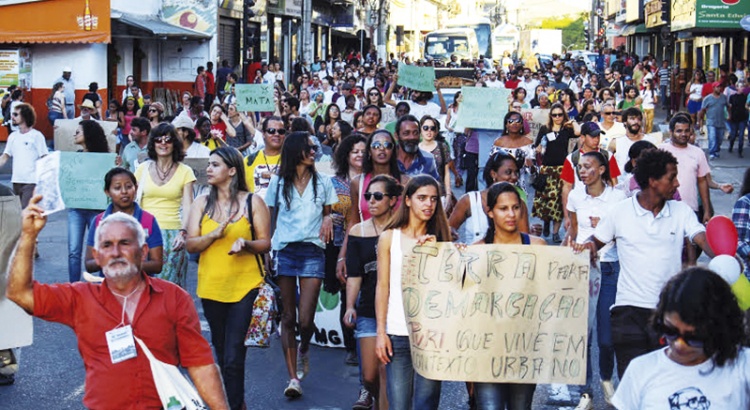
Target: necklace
163,174
137,288
374,226
268,167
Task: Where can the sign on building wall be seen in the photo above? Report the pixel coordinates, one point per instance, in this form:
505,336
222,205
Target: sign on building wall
633,11
655,11
292,8
687,14
197,15
15,68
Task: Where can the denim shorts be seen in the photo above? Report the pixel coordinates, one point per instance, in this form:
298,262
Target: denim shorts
366,327
301,259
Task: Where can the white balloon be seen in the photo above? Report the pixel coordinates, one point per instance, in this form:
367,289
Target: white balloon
727,267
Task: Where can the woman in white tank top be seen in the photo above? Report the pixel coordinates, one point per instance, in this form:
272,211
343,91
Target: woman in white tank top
420,219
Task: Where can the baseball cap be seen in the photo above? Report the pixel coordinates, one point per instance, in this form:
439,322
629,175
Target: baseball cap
592,129
628,78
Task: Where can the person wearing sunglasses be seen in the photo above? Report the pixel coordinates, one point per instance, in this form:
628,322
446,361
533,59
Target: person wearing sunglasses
166,186
361,259
434,143
155,113
411,159
375,97
552,144
610,123
517,142
705,362
301,200
261,165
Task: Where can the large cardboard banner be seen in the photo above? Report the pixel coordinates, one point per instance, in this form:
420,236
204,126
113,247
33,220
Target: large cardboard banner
254,97
65,131
82,179
416,78
497,313
535,117
483,108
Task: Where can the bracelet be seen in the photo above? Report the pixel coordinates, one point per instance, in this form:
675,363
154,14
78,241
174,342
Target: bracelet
340,259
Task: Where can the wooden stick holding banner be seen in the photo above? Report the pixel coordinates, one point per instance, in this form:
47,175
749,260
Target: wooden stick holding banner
483,108
497,313
416,78
254,97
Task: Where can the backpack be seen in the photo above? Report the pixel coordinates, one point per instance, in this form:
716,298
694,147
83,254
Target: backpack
737,110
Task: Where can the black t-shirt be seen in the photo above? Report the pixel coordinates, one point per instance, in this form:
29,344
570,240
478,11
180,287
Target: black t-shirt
362,261
557,146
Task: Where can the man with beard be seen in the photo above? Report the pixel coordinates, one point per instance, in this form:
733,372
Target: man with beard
633,119
411,159
420,104
25,146
108,317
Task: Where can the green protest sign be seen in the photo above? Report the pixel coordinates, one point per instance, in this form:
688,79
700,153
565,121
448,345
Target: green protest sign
416,78
254,97
483,108
82,178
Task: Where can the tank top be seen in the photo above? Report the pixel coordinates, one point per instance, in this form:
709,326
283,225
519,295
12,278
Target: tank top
695,92
128,118
364,211
222,277
395,320
477,222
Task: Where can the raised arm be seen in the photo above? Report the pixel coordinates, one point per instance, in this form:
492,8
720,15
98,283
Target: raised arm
20,286
387,98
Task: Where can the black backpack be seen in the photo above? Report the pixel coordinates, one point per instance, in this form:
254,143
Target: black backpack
737,110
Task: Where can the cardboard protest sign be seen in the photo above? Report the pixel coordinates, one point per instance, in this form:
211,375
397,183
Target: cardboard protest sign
416,78
82,179
65,131
497,313
482,108
199,166
535,117
48,183
254,97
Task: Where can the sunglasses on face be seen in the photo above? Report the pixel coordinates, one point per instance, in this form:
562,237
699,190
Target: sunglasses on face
377,195
280,131
164,139
151,110
608,112
312,148
374,94
387,145
429,128
514,121
557,115
671,334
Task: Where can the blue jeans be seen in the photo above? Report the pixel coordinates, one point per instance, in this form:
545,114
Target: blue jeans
610,273
78,221
715,137
229,323
499,396
737,129
663,96
406,388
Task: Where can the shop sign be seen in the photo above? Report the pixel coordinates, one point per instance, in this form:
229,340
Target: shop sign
721,13
620,16
683,14
633,11
15,68
655,13
196,15
292,8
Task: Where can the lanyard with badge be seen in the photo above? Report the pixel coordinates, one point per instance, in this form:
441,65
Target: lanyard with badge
120,340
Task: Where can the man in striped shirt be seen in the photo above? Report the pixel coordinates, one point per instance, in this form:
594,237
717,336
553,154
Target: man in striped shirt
663,74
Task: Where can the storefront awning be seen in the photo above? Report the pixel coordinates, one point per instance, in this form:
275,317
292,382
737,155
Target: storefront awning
130,25
344,34
631,29
59,21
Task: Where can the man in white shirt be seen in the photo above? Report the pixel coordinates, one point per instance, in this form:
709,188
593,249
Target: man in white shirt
369,81
268,77
69,91
324,70
346,90
493,82
327,91
649,229
25,146
529,84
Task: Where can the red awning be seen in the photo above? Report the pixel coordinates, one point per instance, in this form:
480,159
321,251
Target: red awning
58,21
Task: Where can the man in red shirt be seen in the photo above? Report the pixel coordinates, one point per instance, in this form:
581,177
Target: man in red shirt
108,317
200,84
210,84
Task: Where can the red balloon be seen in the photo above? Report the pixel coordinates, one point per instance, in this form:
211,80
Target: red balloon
722,235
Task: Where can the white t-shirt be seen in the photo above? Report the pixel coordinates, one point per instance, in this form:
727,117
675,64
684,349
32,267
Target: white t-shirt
648,99
197,150
655,382
622,148
419,111
25,149
585,206
616,130
649,247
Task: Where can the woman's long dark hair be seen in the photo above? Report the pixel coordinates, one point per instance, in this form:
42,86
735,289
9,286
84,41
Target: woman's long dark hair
437,225
704,300
93,136
495,162
233,159
327,116
606,178
367,165
492,194
178,153
380,102
296,145
341,155
550,122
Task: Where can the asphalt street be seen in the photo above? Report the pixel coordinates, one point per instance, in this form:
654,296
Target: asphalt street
51,374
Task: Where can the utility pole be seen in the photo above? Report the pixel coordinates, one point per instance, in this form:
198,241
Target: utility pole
307,46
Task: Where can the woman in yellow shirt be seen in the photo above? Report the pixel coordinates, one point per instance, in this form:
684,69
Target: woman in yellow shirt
165,185
229,271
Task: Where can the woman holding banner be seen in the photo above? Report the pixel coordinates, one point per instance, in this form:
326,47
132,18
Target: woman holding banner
91,137
505,213
361,260
420,219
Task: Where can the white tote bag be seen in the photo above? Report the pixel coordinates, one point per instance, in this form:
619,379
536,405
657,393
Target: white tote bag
175,391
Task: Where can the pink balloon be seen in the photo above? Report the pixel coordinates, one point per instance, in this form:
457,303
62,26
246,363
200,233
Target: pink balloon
722,235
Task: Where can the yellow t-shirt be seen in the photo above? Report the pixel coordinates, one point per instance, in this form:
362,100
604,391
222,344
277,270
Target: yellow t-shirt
211,144
164,201
256,183
222,277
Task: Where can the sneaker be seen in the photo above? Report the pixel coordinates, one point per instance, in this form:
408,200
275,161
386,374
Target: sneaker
365,400
609,390
303,364
586,403
294,389
351,358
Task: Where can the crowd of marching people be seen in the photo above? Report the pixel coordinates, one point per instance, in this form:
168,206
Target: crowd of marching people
330,189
